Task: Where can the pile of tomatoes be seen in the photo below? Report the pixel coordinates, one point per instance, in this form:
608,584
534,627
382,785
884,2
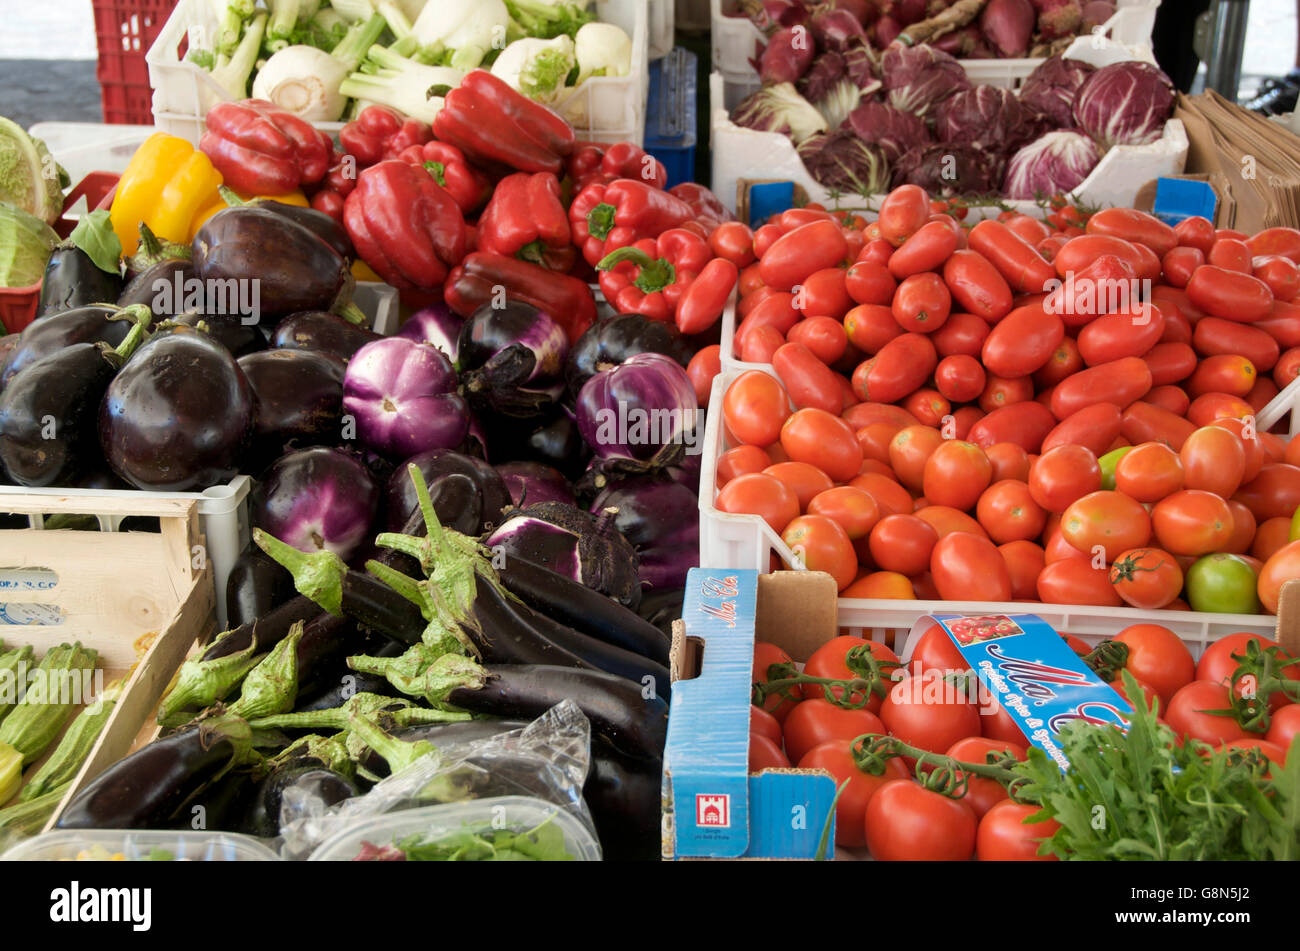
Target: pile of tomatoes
895,816
980,416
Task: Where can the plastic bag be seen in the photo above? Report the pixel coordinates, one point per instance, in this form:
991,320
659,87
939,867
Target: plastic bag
546,760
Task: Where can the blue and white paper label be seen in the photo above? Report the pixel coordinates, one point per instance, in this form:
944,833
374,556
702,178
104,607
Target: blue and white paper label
1033,674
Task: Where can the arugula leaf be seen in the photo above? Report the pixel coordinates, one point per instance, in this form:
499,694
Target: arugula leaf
1140,796
543,843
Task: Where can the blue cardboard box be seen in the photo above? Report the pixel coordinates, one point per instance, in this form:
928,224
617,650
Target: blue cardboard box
712,806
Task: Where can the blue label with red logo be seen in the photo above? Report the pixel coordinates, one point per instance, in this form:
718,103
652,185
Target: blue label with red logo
1034,675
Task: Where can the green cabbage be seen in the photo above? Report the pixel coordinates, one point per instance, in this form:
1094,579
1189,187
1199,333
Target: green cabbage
25,246
30,179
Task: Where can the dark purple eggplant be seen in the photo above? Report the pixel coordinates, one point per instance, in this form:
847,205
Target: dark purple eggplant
100,478
511,359
230,330
436,324
337,687
607,343
178,415
660,518
531,482
321,331
582,609
49,412
317,499
293,268
145,789
634,724
73,280
331,787
317,222
468,494
264,632
164,288
554,441
661,608
299,396
600,654
625,798
46,335
505,632
256,586
574,544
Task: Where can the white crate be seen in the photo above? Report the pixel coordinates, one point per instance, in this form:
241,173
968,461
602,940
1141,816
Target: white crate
603,109
1280,407
746,541
661,17
734,40
745,153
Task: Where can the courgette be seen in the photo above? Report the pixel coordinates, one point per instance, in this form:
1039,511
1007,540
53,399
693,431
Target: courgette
11,771
78,740
34,723
12,676
28,818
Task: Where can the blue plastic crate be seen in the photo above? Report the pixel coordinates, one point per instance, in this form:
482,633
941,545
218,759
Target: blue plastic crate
670,114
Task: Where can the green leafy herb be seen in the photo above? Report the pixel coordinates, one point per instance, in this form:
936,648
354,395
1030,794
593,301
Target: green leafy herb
95,236
543,843
1140,796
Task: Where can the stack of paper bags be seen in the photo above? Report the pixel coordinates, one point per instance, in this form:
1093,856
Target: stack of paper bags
1252,163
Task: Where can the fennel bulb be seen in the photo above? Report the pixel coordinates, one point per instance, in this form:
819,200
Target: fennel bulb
537,68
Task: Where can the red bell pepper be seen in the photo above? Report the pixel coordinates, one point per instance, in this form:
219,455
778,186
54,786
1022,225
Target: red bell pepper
584,162
607,217
407,228
650,276
499,127
525,219
335,187
260,149
709,210
379,133
626,160
450,169
484,278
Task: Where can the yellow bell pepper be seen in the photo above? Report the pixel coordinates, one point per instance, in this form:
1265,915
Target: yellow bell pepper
220,204
165,185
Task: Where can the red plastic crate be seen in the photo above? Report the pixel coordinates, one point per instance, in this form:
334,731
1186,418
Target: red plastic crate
18,304
124,31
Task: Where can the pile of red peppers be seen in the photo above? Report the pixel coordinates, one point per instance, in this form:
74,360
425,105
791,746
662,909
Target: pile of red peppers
496,197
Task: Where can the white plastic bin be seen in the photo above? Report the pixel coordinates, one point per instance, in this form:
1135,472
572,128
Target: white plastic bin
183,846
517,813
605,109
740,153
746,541
660,19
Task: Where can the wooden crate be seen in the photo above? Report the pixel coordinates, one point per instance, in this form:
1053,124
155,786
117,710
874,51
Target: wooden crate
118,592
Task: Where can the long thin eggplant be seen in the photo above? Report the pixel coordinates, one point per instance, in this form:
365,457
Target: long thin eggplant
337,686
257,584
634,724
601,655
507,633
145,789
583,609
72,279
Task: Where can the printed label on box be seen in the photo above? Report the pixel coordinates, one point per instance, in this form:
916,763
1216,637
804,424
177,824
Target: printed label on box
1033,673
713,810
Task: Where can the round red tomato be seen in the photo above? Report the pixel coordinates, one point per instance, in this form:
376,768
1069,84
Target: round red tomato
820,544
1149,472
930,712
935,651
764,753
818,721
1062,475
760,721
1192,522
1218,665
1110,521
761,495
1190,713
1146,578
754,408
1004,836
907,822
922,303
982,793
839,659
1074,580
956,473
1284,725
967,567
903,543
765,656
1158,657
836,757
1282,566
825,441
1009,513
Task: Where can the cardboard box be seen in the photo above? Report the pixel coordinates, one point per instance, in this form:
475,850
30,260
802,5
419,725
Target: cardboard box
713,806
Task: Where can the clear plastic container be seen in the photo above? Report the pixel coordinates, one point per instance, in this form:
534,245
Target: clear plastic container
137,846
516,813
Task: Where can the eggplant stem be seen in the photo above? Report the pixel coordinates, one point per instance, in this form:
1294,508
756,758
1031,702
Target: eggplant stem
200,683
403,584
272,686
399,754
318,576
139,332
